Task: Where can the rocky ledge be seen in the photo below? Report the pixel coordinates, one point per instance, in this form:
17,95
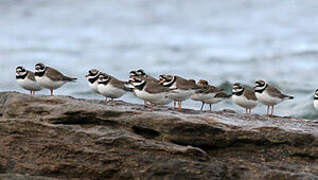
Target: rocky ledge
63,138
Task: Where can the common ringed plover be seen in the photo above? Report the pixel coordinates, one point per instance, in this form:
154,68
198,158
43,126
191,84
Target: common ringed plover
92,78
244,97
26,80
208,94
141,73
50,78
316,100
269,95
110,87
183,88
151,91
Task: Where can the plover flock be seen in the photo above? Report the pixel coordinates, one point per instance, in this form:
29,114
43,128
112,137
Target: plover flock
168,88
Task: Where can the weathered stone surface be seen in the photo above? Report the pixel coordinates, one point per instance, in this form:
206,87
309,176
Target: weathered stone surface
23,177
64,138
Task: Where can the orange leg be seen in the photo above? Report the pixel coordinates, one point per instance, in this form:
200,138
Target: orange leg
272,111
267,112
51,92
180,105
151,107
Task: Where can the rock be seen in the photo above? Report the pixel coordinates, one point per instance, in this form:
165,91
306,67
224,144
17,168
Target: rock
23,177
64,137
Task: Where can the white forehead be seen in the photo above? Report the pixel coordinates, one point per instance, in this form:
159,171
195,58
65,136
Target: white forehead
237,90
138,83
93,76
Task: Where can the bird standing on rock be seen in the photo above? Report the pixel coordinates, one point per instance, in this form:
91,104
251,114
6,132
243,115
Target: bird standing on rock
269,95
27,80
50,78
110,87
140,73
208,94
316,100
151,91
92,78
183,88
244,97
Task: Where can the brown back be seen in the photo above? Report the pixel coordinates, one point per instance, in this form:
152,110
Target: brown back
55,75
31,75
249,94
184,84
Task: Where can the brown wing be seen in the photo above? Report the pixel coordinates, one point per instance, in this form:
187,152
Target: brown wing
151,78
209,89
222,94
117,83
249,94
275,92
184,84
55,75
31,75
154,87
214,89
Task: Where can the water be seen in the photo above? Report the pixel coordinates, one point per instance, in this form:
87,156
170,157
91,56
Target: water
221,41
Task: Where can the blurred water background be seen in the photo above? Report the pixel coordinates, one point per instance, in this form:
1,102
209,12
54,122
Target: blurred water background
221,41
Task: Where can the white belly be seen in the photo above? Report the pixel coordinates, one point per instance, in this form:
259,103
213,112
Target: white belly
316,104
244,102
208,98
266,99
158,98
181,95
48,83
29,84
212,100
93,86
198,97
110,91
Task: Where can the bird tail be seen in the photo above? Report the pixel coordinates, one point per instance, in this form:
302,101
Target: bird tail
71,79
289,97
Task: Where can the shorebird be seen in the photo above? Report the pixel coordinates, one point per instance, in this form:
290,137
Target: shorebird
50,78
244,97
269,95
26,80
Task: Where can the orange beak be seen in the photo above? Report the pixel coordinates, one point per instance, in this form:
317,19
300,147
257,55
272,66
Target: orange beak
87,75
